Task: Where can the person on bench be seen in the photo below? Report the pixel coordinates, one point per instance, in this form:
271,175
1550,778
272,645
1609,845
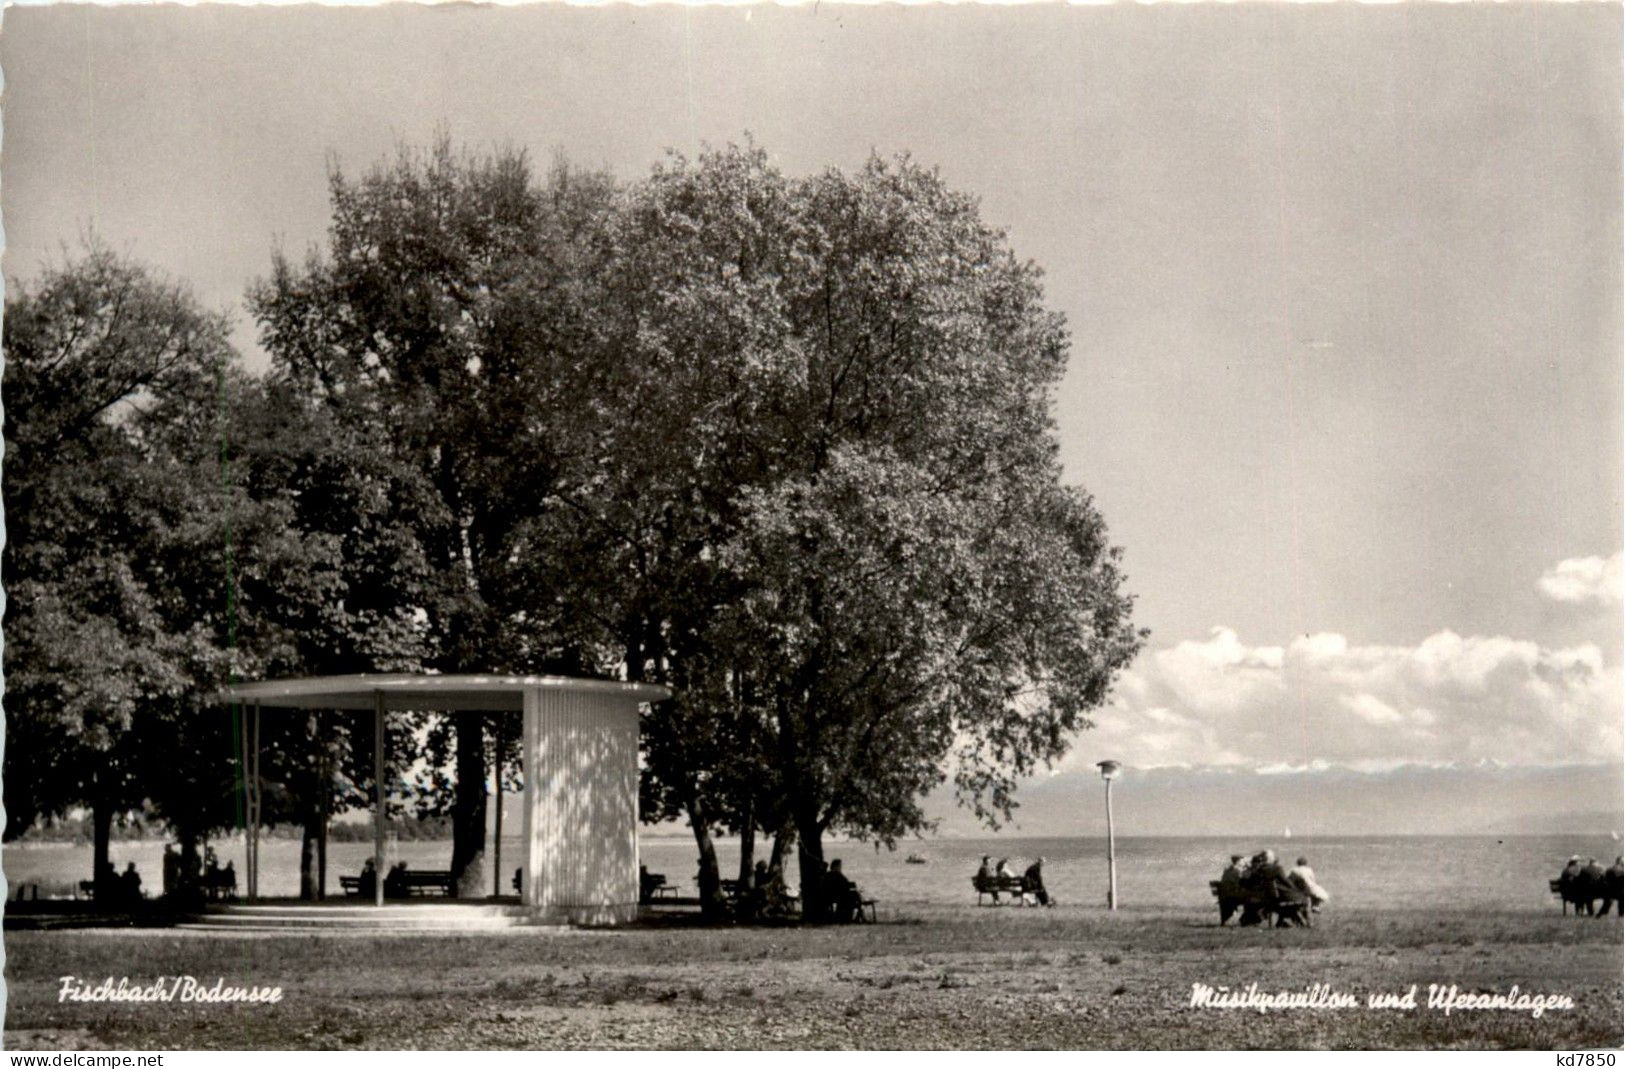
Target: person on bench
1270,893
369,879
130,884
986,882
1231,893
776,898
841,896
1613,888
1567,881
1032,882
1587,887
1303,879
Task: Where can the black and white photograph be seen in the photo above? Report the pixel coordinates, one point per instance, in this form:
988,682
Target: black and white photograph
822,525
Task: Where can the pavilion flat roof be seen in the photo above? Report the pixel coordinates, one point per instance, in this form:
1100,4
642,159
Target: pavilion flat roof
421,692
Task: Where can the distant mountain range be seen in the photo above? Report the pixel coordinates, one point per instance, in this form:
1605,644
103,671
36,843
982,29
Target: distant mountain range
1409,800
1484,799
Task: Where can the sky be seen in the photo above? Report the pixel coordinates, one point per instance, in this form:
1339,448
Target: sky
1343,284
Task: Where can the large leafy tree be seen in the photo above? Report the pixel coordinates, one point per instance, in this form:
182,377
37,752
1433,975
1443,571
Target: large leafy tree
784,444
396,327
306,534
175,525
664,374
825,503
926,593
95,664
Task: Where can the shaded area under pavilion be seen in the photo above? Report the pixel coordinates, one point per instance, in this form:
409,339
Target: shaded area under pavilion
578,752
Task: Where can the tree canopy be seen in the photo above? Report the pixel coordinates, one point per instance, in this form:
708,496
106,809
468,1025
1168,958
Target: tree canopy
843,534
785,443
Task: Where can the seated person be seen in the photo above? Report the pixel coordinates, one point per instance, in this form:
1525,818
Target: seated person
1230,890
1303,879
1271,894
1613,888
211,874
1032,882
1592,885
841,896
647,882
776,899
130,884
395,882
1566,878
369,879
753,894
984,879
1005,872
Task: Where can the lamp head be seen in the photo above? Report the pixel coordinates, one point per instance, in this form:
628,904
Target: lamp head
1109,769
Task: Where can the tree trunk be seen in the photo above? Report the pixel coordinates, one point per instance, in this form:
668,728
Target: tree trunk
325,809
710,878
810,855
308,880
101,868
188,884
747,851
781,843
468,808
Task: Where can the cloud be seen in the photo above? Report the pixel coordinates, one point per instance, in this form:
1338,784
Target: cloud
1321,701
1584,581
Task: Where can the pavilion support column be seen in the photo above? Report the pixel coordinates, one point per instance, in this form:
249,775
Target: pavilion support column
378,797
254,827
325,776
246,783
496,834
530,892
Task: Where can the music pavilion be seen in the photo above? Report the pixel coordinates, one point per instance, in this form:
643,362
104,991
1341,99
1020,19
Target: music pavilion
579,758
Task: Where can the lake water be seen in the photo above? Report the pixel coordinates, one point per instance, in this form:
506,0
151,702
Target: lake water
1364,872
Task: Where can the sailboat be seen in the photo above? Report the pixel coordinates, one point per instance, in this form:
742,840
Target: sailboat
1286,833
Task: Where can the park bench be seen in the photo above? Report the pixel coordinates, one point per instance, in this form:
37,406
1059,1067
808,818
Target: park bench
220,884
87,888
423,882
995,886
405,883
1583,894
653,885
1272,910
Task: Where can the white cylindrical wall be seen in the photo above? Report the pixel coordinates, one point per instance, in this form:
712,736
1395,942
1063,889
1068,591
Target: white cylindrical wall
581,804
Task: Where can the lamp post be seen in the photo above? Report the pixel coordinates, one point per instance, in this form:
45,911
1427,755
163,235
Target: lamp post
1108,772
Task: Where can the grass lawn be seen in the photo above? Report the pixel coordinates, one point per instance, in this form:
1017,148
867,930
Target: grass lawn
925,977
